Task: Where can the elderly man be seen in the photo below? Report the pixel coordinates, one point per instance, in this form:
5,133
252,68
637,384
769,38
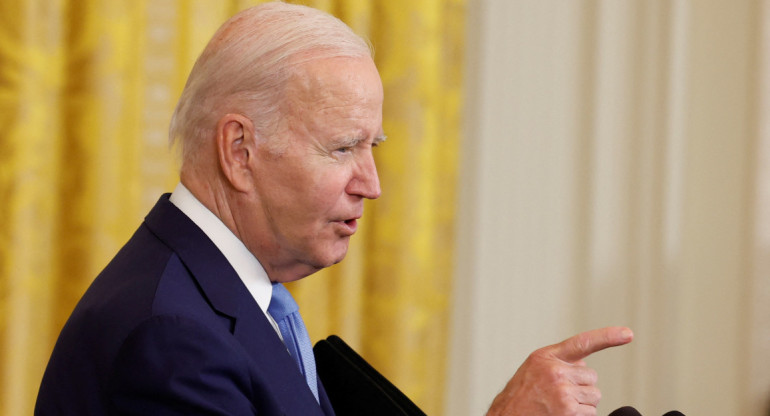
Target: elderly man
277,124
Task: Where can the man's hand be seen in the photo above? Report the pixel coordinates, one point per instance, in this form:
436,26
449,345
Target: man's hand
555,380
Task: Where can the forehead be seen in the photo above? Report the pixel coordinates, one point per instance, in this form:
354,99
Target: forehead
341,94
335,79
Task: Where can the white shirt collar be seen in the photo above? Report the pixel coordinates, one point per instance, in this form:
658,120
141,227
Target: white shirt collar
243,261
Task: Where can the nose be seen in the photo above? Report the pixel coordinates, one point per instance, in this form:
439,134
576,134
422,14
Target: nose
365,181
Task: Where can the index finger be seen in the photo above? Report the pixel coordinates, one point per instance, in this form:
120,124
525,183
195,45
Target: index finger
584,344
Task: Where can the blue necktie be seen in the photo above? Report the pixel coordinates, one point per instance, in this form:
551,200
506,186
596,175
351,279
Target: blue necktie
285,311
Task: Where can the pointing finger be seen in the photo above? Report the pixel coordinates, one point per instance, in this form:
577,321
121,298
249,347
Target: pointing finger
582,345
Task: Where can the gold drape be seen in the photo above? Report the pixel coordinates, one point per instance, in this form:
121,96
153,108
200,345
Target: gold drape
86,92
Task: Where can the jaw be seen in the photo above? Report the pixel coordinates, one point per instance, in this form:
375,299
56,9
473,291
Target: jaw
304,261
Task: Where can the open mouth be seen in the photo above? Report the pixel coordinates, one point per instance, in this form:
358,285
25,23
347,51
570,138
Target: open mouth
349,226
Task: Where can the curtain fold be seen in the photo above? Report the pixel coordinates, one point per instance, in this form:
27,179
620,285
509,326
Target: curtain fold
87,88
619,176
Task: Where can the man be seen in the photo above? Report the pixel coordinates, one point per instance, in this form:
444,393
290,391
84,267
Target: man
277,124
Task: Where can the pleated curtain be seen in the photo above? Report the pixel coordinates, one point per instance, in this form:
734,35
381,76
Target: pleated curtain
87,88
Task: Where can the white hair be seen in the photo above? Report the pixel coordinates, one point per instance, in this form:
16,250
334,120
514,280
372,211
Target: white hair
247,63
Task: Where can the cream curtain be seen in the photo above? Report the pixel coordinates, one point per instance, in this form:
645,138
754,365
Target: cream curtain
86,91
619,174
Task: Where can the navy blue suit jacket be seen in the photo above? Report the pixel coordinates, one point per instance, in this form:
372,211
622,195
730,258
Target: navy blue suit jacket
168,328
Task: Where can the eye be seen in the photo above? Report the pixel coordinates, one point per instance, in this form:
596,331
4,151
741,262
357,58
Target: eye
344,150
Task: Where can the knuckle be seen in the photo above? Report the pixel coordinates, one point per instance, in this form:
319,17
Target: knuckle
593,376
565,399
555,373
540,354
586,376
582,342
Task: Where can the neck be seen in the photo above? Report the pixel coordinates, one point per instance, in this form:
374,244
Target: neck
226,204
213,195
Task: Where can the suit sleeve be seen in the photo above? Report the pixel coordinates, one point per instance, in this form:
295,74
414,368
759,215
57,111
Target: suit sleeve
171,365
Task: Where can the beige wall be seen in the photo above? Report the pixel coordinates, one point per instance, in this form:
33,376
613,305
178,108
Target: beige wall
617,171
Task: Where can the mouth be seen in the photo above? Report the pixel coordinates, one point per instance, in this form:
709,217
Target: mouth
348,226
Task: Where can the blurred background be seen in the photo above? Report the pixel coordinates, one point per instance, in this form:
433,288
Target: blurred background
551,167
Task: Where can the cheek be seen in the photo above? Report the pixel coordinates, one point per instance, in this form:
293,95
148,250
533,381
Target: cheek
328,195
310,193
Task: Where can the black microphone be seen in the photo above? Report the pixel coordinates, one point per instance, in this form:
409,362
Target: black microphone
625,411
673,413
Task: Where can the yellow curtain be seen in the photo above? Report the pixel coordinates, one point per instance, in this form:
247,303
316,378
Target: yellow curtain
87,88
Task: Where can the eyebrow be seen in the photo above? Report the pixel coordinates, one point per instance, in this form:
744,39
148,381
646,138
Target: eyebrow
379,139
352,141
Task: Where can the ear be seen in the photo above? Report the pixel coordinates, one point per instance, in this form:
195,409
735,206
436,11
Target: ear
236,149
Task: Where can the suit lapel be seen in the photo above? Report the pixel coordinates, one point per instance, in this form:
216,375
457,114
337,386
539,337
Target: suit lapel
228,295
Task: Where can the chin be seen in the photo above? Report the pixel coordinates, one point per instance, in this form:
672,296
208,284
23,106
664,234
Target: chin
332,258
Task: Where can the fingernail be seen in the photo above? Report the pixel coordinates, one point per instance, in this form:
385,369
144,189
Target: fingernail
627,333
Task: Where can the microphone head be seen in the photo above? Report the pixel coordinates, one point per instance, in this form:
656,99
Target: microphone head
625,411
673,413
